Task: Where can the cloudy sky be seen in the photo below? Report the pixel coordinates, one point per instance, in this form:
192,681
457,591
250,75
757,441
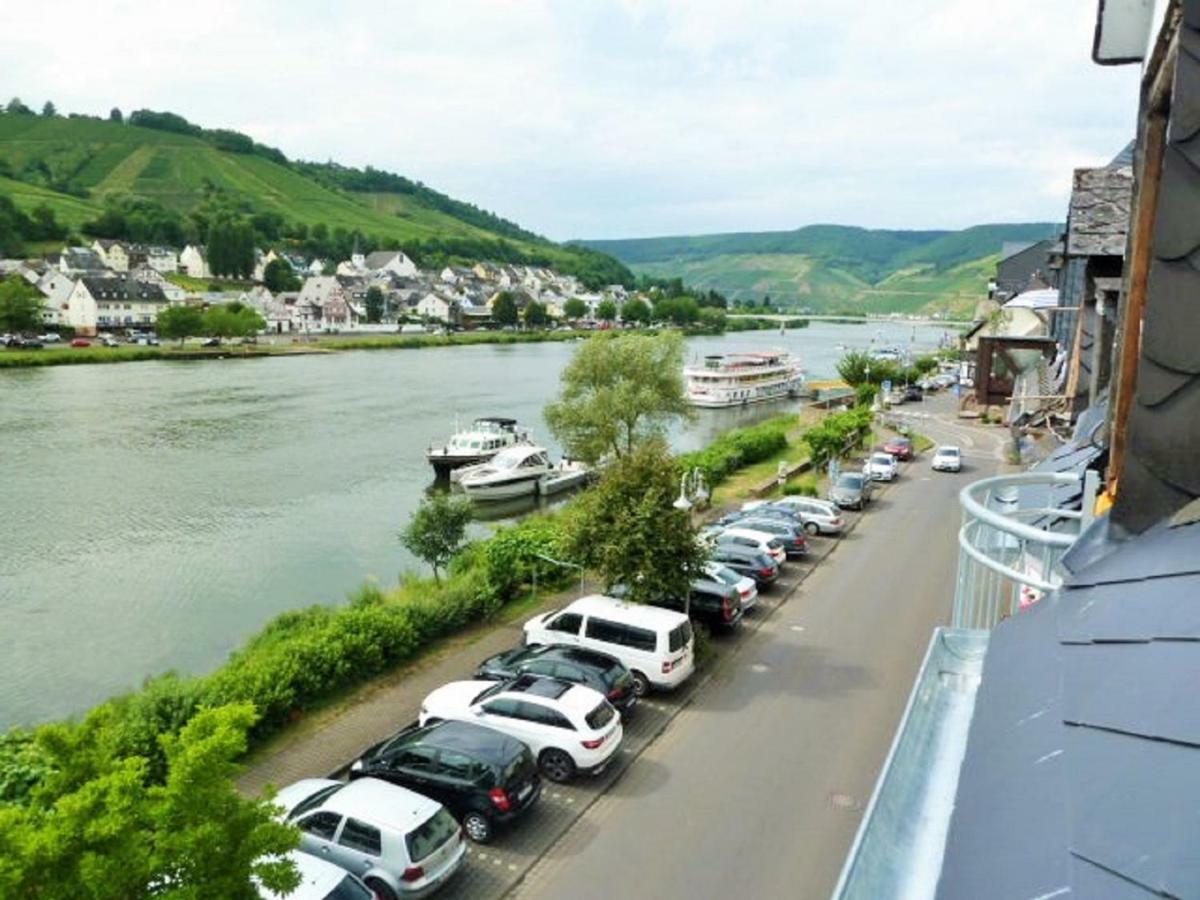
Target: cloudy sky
621,118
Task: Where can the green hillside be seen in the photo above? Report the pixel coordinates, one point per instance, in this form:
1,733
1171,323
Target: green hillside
78,166
834,267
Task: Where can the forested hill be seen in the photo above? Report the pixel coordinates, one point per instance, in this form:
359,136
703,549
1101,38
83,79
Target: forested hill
156,177
834,267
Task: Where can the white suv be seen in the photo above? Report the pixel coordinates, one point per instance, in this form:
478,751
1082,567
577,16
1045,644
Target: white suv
762,541
399,843
570,728
947,459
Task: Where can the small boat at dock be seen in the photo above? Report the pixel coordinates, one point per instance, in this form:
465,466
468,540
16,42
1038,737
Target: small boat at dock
486,437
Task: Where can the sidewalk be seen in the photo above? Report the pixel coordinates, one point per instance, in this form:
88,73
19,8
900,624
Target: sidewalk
329,740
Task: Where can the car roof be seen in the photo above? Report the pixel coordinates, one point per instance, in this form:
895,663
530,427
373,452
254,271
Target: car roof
752,533
473,739
381,803
948,448
318,877
552,692
577,655
632,613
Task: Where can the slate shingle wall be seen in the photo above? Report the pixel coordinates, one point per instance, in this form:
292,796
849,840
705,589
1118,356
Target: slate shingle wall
1161,472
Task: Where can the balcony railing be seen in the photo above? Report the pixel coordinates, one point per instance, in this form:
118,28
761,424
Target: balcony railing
1009,547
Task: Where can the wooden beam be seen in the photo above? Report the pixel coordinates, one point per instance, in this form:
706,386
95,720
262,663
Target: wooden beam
1155,118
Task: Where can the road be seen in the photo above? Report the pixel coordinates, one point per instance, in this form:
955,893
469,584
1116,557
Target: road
756,789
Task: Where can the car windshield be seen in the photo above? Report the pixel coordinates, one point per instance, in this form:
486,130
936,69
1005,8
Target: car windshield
428,837
882,458
521,765
600,716
724,575
948,451
849,480
313,800
492,691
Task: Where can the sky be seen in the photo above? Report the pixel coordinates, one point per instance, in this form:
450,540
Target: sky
621,118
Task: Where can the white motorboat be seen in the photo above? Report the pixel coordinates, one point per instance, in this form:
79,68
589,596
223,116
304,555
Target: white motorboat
568,475
513,472
737,379
486,437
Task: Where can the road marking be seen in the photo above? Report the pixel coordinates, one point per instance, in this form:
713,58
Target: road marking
760,667
797,627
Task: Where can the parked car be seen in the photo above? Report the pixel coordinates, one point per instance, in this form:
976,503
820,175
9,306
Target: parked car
29,344
851,490
719,606
947,459
654,644
570,728
109,341
762,511
818,516
211,342
599,671
485,778
746,561
900,447
756,539
80,342
320,880
747,587
881,467
51,337
400,843
789,534
913,393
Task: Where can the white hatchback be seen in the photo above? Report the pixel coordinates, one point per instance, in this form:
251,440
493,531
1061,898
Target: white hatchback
947,459
818,516
881,467
570,728
762,541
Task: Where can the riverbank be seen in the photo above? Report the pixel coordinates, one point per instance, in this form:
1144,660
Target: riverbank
65,356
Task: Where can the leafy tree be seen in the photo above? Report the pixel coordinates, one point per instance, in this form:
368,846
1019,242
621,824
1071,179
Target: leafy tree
96,826
230,247
16,107
375,304
504,309
114,115
627,529
20,305
677,310
437,529
179,322
49,111
606,311
636,310
857,367
536,315
617,392
575,308
230,320
43,226
278,276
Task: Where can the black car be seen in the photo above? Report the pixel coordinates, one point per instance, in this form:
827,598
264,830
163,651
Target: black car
599,671
485,778
746,561
912,394
717,606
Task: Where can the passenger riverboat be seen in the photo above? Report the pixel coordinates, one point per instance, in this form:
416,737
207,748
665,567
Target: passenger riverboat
737,379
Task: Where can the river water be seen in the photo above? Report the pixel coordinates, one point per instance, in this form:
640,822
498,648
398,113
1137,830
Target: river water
155,514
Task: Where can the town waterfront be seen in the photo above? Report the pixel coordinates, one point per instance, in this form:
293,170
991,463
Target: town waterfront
153,516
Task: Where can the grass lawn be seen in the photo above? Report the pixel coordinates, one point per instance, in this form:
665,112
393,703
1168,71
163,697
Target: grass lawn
739,485
200,285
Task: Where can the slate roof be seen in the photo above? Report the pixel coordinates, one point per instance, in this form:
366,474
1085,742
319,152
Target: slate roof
123,289
1083,762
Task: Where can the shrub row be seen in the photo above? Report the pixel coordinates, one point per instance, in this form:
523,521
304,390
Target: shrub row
739,448
304,656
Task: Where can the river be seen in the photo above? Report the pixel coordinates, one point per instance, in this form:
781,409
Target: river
155,514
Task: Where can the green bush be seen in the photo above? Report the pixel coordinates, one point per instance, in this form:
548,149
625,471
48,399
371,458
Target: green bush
739,448
802,487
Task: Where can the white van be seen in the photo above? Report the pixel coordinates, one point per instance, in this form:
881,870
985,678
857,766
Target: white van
654,644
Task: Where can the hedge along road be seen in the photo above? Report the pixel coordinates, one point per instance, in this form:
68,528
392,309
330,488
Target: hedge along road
165,511
757,787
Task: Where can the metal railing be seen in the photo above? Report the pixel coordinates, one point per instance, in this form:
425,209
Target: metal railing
1009,552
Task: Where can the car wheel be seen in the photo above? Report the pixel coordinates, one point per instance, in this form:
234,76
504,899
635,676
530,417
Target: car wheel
381,888
641,684
477,826
811,528
557,765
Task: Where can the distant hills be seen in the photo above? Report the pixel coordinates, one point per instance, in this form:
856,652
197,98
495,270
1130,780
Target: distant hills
834,267
78,166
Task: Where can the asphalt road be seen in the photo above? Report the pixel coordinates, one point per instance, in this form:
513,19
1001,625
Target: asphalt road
756,789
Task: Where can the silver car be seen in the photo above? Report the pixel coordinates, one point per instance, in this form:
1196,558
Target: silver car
399,843
852,489
818,516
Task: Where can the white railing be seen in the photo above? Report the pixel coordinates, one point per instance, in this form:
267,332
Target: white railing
1009,551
